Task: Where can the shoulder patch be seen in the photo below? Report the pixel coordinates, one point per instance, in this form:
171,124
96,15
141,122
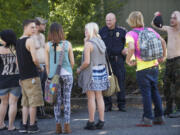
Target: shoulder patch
120,27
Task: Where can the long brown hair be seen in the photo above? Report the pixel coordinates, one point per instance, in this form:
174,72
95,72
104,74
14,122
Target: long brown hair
56,33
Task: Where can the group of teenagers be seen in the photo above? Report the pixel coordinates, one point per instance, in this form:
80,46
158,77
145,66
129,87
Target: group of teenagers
24,63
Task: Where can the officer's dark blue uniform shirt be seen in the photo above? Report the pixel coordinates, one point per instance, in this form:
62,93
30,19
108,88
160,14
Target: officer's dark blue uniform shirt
114,40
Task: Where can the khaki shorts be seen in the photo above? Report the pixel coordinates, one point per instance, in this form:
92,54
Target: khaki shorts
32,92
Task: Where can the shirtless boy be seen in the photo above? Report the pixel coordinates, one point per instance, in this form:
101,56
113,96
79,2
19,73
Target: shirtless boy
39,40
172,73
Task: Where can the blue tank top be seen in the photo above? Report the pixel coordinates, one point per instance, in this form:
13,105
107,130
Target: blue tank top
65,64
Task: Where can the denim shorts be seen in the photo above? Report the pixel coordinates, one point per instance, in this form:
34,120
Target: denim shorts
16,91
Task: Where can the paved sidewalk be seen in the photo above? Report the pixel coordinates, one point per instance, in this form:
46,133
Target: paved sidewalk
117,123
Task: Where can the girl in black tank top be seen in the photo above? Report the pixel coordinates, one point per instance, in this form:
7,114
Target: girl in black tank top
9,78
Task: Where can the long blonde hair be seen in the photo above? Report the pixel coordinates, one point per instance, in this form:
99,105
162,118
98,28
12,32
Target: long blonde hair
135,19
92,29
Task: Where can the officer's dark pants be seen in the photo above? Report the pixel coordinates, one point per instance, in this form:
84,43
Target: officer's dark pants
117,64
172,76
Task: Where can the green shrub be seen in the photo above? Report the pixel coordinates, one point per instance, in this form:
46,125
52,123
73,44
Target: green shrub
76,91
131,84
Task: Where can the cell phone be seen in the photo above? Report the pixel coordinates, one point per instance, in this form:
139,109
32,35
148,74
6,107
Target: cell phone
1,45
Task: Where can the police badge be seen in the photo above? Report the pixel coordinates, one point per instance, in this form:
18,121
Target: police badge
117,34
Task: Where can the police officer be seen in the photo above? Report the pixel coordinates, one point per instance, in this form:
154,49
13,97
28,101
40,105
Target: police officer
114,38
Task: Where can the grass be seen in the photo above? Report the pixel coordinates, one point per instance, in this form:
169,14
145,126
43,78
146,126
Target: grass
77,46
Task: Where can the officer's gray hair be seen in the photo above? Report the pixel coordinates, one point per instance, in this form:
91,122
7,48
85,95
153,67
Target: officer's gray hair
92,29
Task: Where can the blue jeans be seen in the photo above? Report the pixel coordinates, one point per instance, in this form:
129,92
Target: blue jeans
147,80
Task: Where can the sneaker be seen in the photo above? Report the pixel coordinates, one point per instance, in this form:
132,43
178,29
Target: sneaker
145,122
159,120
175,114
168,111
33,129
90,126
100,124
23,128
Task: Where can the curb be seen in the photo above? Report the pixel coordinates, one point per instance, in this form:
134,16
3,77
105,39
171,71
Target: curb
130,99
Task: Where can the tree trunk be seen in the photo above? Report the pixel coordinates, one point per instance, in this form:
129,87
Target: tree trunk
102,9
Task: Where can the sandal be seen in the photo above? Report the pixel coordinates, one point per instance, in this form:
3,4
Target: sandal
14,129
4,128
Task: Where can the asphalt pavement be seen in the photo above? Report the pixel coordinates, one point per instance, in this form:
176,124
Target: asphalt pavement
116,123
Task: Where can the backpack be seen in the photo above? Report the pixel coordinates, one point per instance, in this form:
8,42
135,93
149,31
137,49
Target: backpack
150,46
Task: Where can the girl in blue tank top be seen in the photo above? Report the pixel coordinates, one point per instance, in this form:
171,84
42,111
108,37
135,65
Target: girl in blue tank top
52,51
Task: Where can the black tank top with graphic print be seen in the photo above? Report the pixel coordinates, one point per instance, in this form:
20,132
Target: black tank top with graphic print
9,74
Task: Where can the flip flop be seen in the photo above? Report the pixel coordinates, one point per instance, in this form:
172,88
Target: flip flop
4,128
14,129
